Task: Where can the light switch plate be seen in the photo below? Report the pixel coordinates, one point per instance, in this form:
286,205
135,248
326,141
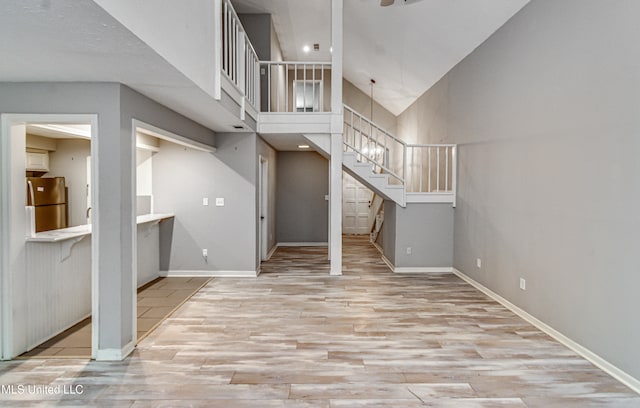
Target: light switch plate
220,202
205,200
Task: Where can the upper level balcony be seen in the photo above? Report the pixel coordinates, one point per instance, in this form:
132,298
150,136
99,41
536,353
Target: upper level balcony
271,96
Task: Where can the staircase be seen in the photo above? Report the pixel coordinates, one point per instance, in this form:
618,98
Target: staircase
371,154
378,182
395,170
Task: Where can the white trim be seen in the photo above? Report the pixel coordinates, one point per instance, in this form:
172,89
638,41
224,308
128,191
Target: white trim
7,120
407,270
387,261
115,354
589,355
148,129
193,274
302,244
134,231
272,251
444,198
426,269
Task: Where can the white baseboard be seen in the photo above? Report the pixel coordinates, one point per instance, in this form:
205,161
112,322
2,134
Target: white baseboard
426,269
592,357
302,244
210,274
379,248
115,354
273,251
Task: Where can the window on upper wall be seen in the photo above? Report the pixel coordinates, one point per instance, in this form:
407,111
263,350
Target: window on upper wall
308,95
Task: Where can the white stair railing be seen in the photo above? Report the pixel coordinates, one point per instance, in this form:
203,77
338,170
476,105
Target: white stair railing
431,168
240,62
297,86
372,144
426,171
252,75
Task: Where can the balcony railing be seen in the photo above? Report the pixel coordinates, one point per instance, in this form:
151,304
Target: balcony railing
427,172
240,63
431,168
303,87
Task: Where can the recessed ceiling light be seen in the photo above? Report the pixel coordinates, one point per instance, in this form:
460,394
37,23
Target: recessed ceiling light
306,48
303,146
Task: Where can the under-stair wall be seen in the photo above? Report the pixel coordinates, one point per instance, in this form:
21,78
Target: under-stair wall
418,238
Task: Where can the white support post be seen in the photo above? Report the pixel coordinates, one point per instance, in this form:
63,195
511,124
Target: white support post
335,204
329,226
335,167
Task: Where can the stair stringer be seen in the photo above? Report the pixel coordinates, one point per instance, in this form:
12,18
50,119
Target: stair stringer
363,172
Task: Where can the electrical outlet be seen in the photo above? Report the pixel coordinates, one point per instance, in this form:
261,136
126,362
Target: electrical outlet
205,253
408,250
220,202
478,263
205,200
523,284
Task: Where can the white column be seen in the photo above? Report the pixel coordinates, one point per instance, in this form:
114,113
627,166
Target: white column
335,204
335,167
329,206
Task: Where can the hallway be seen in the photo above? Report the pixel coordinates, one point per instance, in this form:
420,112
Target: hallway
297,337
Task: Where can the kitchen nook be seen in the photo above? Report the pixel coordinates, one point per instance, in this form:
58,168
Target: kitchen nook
56,307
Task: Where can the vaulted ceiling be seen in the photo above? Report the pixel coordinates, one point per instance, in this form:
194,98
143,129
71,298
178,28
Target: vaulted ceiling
406,48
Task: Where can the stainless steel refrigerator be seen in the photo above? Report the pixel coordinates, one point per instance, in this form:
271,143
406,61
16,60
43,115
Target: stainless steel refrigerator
49,197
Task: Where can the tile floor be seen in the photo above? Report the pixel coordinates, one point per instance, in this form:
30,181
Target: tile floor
156,300
296,337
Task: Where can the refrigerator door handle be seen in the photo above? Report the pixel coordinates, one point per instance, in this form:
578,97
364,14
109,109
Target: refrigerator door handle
31,195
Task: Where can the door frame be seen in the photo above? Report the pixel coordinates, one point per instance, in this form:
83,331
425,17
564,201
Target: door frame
8,228
263,208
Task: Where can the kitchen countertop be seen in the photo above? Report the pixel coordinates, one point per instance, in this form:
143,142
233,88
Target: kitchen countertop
83,230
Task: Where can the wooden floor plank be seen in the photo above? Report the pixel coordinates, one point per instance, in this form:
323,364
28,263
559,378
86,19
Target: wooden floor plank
296,337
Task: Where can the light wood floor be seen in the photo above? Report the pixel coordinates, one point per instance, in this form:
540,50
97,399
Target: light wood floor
156,301
296,337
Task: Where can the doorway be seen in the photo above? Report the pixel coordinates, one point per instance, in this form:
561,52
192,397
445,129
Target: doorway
356,201
43,267
263,205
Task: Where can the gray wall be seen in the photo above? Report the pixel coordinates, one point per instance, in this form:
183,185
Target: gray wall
388,231
302,211
182,177
70,161
114,263
258,29
546,115
115,106
425,228
260,32
361,102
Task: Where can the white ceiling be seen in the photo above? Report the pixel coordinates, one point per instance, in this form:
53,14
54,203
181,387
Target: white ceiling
406,48
297,23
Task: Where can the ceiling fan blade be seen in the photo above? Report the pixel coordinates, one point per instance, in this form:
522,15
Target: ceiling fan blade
385,3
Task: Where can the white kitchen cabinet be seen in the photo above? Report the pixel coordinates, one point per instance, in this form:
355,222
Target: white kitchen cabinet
37,161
